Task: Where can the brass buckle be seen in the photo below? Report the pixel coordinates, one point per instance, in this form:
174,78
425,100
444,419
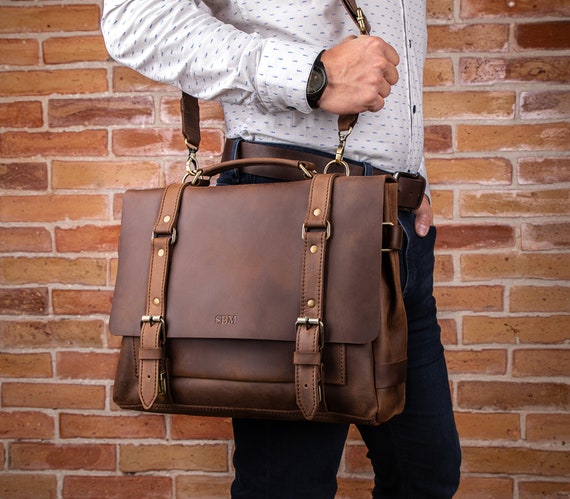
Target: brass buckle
304,231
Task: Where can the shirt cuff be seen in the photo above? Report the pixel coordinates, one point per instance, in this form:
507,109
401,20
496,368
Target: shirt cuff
282,76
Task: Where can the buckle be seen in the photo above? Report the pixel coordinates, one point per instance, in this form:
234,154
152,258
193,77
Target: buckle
309,321
304,231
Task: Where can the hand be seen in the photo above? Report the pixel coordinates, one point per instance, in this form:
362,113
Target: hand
360,72
424,218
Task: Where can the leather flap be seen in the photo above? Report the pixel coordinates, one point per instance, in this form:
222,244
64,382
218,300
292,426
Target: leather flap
236,263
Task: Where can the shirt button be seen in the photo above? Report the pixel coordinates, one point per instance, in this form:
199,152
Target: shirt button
414,109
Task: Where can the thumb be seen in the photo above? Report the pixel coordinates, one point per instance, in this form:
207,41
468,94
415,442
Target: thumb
424,218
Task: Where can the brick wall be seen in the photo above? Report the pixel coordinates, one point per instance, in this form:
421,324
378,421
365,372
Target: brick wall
77,129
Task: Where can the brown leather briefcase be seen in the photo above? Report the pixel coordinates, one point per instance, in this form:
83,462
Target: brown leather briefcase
276,300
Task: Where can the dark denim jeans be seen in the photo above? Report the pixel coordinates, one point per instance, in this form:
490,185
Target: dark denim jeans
415,455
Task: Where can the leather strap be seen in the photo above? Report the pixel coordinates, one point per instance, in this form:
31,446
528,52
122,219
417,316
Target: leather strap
310,328
152,364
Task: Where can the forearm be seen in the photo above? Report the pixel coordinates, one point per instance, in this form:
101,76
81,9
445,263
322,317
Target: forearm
182,44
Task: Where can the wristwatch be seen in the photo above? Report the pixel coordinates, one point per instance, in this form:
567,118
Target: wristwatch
317,82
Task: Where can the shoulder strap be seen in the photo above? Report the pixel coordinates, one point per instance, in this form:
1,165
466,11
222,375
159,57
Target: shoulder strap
191,112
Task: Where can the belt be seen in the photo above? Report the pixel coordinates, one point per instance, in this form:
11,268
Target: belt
411,186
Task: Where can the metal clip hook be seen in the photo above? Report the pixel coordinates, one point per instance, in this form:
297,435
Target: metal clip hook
339,156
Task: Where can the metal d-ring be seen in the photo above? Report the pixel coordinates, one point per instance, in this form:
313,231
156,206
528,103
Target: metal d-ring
341,162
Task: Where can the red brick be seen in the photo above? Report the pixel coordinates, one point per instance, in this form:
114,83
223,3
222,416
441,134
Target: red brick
520,8
540,299
544,170
40,456
53,208
100,112
87,238
162,141
543,362
197,457
481,70
203,487
484,488
532,137
448,331
356,460
128,80
62,81
468,105
515,461
484,171
84,143
512,396
28,239
81,302
78,365
438,72
90,175
19,52
26,425
21,114
200,428
477,361
437,139
545,235
526,203
541,489
550,428
27,485
474,236
64,50
474,298
117,487
18,301
442,203
468,38
24,176
112,427
53,395
515,265
443,271
25,365
45,270
488,426
56,333
49,18
354,488
543,35
439,9
515,330
545,104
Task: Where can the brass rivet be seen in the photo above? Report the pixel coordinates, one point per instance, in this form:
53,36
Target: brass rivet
160,252
166,219
317,212
156,301
314,248
311,303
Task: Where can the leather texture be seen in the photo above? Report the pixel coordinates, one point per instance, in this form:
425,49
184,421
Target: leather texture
276,300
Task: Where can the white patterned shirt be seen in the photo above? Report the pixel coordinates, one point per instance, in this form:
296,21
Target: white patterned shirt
255,57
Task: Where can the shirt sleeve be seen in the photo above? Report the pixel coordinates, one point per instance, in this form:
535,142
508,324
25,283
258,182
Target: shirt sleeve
182,44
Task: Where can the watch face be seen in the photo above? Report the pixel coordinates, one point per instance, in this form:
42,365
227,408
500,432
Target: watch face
316,81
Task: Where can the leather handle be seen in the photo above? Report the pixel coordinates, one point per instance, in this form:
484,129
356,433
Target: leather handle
308,169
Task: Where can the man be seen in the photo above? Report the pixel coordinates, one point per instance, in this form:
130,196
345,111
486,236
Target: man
284,71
